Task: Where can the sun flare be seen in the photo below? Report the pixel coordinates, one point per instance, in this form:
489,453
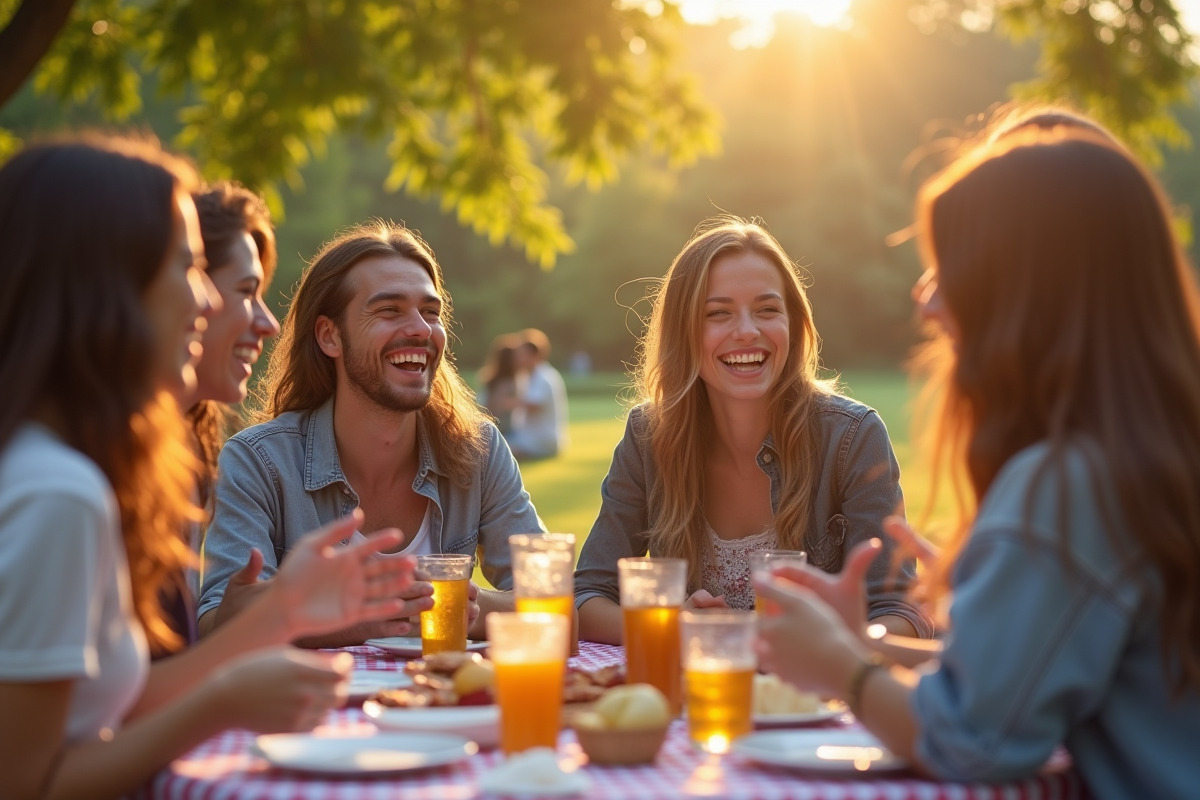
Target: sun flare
758,15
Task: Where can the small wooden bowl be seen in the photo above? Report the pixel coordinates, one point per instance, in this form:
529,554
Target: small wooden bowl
612,746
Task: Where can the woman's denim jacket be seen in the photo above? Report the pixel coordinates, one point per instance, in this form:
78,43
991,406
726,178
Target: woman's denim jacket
281,480
858,486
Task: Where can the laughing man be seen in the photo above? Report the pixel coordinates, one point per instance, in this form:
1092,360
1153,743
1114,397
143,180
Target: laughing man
363,408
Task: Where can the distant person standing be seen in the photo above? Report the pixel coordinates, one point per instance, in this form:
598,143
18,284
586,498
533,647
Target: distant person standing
544,432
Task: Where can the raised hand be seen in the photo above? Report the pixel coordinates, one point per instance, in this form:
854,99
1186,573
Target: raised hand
910,542
845,591
802,638
324,586
243,588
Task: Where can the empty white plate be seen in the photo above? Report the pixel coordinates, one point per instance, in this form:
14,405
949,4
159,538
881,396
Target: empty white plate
410,646
359,755
480,724
826,711
819,750
366,682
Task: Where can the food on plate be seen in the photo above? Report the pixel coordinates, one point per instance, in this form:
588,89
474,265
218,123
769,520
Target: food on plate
774,696
469,679
474,676
636,706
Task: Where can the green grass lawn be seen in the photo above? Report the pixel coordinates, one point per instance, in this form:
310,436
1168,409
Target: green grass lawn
566,490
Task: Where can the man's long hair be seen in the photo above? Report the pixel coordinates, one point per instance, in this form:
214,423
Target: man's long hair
681,422
1078,322
301,377
85,225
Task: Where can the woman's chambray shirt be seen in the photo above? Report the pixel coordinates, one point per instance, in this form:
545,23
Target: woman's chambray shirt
1055,639
281,480
859,485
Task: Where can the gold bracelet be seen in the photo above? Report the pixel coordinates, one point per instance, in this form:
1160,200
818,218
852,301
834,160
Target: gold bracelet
858,680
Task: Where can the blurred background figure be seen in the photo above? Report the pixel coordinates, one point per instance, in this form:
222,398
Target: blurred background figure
502,384
581,364
544,431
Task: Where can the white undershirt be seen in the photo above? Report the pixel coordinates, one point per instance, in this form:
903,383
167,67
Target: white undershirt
420,545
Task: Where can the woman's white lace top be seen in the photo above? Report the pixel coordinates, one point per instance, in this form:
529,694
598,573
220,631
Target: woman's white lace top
726,569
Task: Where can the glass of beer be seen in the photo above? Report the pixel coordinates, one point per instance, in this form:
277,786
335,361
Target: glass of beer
719,666
529,652
652,592
763,561
543,568
444,627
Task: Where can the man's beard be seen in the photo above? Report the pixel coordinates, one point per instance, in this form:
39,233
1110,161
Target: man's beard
366,377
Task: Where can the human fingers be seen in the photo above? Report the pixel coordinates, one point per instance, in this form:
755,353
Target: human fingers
472,591
908,540
380,540
859,561
249,573
698,599
334,532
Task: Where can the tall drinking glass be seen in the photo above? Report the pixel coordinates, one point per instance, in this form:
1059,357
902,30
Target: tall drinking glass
543,568
652,592
719,666
763,561
444,627
529,653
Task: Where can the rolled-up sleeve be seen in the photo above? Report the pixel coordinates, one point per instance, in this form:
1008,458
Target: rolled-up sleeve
620,528
505,509
1032,648
870,486
245,515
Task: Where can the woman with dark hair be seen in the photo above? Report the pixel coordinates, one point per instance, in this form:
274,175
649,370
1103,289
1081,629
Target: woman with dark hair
239,249
102,303
1069,366
737,445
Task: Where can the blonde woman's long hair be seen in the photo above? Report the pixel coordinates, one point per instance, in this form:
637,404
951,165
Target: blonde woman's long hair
667,377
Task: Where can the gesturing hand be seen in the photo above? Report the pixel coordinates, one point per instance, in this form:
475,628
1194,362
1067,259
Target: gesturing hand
243,588
325,587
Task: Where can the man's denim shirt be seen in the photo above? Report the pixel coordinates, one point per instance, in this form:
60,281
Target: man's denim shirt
281,480
858,485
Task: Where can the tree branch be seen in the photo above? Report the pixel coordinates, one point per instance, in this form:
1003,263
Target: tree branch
26,39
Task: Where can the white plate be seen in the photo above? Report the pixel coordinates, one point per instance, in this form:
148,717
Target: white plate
480,724
366,682
819,750
360,755
410,646
826,711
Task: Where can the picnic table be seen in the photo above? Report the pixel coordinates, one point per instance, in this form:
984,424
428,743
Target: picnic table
227,767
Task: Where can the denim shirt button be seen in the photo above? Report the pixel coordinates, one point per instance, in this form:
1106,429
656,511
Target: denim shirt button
767,458
345,491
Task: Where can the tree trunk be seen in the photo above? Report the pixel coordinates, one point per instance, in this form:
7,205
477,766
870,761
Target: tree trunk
26,39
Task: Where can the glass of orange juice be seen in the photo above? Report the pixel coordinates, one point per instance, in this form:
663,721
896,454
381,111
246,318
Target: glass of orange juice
719,666
543,568
652,592
763,561
528,650
444,627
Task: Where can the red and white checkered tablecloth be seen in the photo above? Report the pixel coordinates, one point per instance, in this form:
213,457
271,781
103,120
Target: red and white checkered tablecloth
225,768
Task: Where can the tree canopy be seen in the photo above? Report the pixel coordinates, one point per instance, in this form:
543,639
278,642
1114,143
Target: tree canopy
478,99
472,95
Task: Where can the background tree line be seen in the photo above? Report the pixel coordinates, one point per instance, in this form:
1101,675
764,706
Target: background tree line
825,134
